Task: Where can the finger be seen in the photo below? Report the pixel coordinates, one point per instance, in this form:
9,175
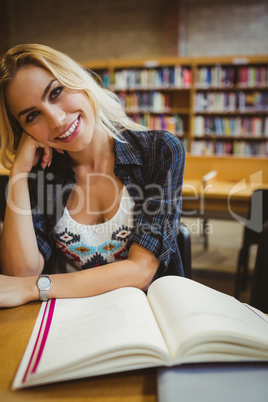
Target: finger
60,151
47,157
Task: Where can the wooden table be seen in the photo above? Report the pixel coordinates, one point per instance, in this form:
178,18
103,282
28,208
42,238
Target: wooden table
227,194
215,199
16,325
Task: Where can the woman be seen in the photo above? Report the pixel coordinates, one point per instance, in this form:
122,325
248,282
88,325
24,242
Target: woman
86,183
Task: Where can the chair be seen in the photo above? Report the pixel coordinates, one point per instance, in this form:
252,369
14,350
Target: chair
3,186
259,290
184,243
258,214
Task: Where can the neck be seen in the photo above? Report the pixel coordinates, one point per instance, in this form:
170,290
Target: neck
96,155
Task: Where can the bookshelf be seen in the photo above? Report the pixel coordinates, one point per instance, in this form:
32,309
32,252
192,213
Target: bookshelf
217,106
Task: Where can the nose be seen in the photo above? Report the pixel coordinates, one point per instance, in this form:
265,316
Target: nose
55,117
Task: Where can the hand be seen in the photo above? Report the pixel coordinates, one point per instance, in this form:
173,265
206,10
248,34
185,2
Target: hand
15,291
29,152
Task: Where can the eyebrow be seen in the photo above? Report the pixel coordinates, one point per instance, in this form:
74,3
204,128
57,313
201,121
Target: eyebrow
29,109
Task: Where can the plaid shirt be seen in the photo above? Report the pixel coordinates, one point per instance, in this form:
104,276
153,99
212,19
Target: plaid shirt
151,165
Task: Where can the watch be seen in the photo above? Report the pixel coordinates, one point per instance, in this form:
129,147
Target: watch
43,283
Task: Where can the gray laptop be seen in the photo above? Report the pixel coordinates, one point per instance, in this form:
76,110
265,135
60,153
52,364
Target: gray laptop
214,383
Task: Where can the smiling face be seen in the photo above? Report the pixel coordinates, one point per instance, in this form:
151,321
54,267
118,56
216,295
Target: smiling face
51,113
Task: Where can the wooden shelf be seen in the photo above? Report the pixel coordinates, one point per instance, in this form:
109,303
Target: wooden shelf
248,74
230,88
232,113
228,137
148,89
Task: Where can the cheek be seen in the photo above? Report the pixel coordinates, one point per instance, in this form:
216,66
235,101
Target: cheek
74,100
39,132
81,102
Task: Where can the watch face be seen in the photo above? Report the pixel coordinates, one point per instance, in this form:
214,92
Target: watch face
44,282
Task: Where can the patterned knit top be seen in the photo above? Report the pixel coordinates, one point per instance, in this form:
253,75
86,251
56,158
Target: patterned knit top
87,246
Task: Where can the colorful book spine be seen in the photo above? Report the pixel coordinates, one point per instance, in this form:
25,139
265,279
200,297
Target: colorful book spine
145,101
163,77
236,148
251,76
202,148
241,148
224,148
231,126
231,101
171,123
214,76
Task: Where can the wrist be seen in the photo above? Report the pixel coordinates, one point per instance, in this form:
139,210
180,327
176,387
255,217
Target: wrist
33,291
16,171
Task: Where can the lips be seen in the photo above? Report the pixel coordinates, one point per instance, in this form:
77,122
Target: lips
71,132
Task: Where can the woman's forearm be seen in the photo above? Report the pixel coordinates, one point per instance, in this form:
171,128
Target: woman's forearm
100,280
137,271
19,254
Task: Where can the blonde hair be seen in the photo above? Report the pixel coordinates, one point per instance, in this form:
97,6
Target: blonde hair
108,110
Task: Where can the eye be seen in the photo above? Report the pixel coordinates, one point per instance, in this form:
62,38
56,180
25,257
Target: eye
31,116
55,92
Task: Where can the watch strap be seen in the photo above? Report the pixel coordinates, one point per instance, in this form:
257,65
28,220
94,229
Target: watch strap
43,292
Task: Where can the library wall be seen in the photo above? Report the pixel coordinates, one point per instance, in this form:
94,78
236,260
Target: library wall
90,29
103,29
218,28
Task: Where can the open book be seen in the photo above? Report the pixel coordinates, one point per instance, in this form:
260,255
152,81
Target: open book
179,321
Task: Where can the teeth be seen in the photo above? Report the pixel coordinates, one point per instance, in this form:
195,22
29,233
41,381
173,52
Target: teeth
70,131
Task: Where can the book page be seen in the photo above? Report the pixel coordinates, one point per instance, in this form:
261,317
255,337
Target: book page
88,331
196,320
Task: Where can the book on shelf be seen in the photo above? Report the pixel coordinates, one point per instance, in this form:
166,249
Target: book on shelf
224,148
253,148
255,101
154,101
152,78
219,99
202,148
251,127
179,321
168,122
253,76
236,148
214,76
